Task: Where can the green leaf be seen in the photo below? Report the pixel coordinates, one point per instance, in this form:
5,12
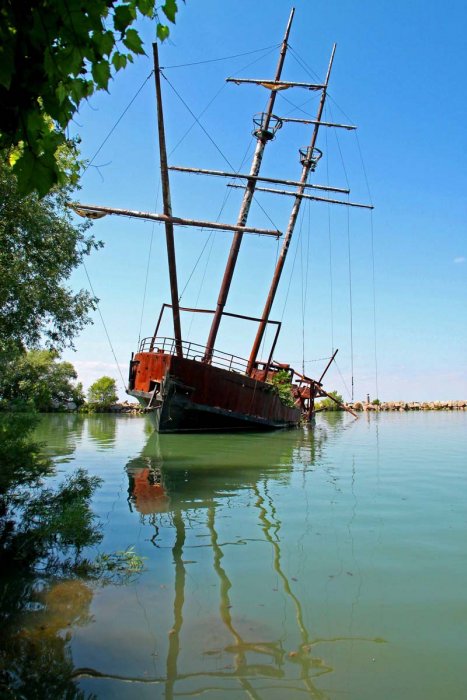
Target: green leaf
78,89
170,10
162,32
101,74
123,17
119,60
7,65
146,7
133,41
105,41
61,92
35,173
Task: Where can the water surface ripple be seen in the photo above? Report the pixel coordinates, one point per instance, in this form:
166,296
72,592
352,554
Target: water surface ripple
324,563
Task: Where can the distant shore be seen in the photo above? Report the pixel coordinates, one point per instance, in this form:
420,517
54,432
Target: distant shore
134,408
408,406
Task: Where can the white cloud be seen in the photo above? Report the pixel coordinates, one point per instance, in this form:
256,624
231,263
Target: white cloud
90,370
459,260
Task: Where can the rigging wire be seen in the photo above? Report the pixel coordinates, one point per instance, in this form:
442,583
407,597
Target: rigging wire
350,299
312,74
304,276
349,263
330,250
216,146
372,265
343,380
293,265
118,121
223,86
224,202
212,239
301,62
225,58
104,325
147,267
374,304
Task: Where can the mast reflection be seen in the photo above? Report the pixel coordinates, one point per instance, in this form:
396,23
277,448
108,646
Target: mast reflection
172,478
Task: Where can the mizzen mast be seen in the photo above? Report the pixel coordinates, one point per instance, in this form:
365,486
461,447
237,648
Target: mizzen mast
264,132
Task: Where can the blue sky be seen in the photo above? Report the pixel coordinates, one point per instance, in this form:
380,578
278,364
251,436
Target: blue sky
399,75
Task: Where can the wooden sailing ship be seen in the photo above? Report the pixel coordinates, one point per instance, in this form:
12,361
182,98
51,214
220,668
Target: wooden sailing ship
192,387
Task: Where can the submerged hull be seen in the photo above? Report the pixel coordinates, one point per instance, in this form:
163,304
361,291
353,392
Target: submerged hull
186,395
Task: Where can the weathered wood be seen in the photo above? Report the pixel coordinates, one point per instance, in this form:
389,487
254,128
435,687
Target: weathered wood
89,209
331,360
290,227
275,84
247,199
306,196
169,228
349,127
259,178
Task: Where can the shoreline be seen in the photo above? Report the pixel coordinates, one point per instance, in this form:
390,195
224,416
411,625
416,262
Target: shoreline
408,406
127,407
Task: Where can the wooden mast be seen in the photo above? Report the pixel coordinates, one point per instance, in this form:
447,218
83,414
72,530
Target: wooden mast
291,225
246,203
169,228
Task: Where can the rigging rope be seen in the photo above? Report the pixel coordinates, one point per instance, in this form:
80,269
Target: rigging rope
225,58
118,121
216,146
330,249
301,62
374,304
349,262
372,265
350,300
103,323
147,268
305,278
293,265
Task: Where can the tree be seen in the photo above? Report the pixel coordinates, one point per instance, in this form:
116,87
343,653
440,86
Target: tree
282,380
329,404
54,55
36,380
40,526
103,392
39,248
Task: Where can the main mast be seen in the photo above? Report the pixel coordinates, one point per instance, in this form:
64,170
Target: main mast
307,162
263,134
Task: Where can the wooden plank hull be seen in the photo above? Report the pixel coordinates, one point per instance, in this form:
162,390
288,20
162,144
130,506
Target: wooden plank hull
186,395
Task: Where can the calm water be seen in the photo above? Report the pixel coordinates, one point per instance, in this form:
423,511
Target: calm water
324,563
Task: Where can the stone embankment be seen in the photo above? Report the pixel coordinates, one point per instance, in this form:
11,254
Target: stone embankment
126,407
409,406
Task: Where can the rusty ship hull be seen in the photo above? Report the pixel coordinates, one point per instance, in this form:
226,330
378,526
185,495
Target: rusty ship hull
186,395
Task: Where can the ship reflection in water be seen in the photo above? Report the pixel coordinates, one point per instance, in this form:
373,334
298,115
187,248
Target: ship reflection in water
210,506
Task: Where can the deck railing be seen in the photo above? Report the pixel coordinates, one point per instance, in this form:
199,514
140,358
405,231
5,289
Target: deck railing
194,351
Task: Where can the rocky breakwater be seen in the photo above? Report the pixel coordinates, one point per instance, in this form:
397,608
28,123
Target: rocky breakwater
126,407
409,406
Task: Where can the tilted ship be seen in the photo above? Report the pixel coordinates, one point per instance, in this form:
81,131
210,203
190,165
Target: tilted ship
192,387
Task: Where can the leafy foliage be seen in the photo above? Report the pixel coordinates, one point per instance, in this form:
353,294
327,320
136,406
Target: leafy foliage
38,381
329,404
40,525
54,55
21,461
103,392
39,248
283,383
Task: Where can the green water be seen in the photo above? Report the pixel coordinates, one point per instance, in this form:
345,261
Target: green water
326,563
